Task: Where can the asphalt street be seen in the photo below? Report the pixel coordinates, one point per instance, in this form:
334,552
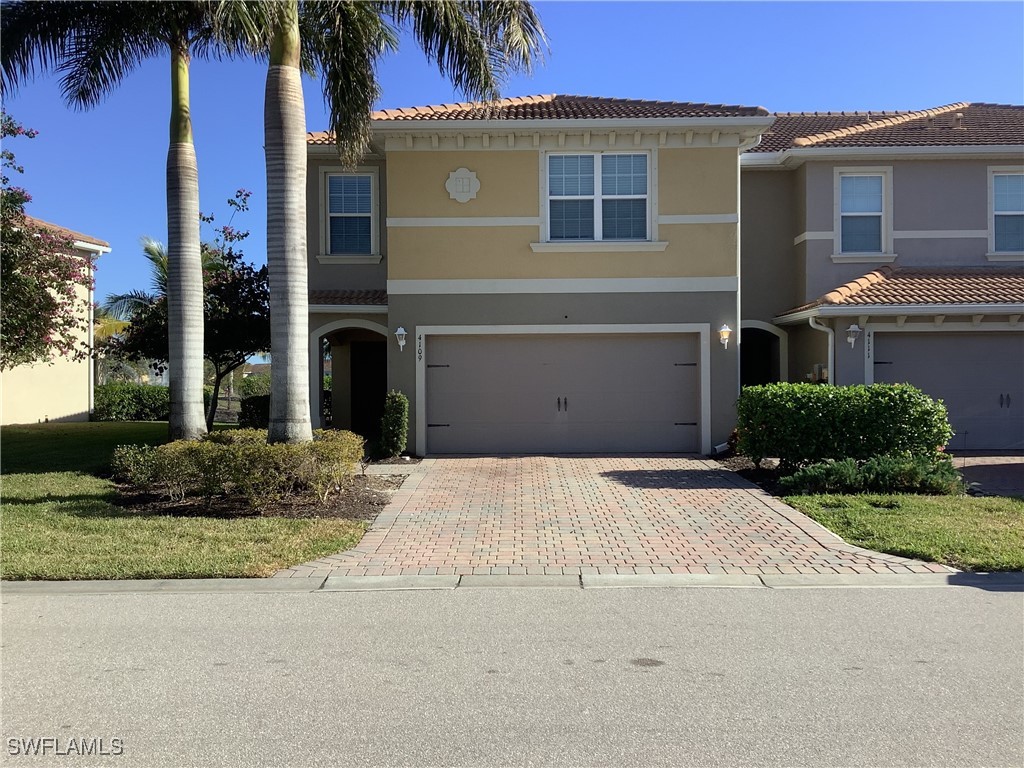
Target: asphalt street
519,676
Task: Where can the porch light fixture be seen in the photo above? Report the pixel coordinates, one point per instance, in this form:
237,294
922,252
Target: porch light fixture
400,335
852,333
723,335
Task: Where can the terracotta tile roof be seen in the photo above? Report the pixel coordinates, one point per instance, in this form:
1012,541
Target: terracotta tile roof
889,286
68,233
979,124
377,298
556,107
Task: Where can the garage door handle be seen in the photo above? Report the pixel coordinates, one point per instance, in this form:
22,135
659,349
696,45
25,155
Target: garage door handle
559,405
567,405
1007,400
1000,401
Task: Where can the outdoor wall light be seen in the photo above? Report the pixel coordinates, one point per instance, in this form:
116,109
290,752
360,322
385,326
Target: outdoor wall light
400,335
852,333
723,335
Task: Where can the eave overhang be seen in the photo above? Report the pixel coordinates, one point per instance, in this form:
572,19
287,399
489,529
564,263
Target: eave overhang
898,310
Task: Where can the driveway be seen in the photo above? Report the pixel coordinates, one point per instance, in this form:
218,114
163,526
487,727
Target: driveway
593,514
993,474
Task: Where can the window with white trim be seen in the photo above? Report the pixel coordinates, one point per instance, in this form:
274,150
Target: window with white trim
861,212
1008,212
598,196
350,210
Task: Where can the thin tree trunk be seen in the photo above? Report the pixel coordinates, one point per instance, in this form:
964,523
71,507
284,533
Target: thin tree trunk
184,263
284,123
211,414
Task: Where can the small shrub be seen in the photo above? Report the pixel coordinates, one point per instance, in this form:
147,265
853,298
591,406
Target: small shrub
933,474
241,463
394,425
131,402
133,464
827,477
255,412
804,424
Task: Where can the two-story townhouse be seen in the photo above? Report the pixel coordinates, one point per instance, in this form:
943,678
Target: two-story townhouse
541,274
888,247
573,274
59,389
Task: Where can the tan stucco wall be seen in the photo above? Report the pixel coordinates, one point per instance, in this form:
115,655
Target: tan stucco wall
58,391
697,181
33,393
509,183
690,181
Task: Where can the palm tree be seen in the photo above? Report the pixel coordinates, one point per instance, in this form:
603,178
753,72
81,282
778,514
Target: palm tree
94,45
476,44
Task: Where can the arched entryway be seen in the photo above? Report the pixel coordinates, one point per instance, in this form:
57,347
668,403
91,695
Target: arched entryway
357,350
763,354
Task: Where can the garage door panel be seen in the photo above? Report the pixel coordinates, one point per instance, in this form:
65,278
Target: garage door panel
563,393
979,377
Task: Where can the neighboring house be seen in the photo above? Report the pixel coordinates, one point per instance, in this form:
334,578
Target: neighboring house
889,247
554,273
59,389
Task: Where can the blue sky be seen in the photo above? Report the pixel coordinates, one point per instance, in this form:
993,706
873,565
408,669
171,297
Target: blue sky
102,171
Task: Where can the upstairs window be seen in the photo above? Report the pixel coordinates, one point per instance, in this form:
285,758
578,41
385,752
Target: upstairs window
598,196
861,212
350,214
1008,212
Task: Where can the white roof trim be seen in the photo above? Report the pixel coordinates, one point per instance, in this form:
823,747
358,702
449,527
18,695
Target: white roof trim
884,310
91,247
790,158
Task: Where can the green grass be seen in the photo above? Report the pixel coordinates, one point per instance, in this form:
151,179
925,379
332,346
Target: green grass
58,521
966,532
78,447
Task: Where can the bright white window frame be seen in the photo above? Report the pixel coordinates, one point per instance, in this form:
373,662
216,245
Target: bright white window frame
993,171
598,197
325,256
886,254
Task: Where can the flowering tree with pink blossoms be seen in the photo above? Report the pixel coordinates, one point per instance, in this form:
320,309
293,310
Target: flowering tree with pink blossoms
44,281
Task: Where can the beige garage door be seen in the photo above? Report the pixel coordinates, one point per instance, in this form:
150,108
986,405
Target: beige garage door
979,376
563,393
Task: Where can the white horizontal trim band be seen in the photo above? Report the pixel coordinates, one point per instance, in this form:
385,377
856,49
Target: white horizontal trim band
911,310
699,218
566,285
863,258
373,258
465,221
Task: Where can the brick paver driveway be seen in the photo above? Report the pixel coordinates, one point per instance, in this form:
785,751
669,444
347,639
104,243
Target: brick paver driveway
592,514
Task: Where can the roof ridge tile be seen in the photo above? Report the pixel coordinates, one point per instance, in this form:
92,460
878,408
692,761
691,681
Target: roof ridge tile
898,119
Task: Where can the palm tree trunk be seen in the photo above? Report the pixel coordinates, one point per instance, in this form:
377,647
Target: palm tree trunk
184,263
284,124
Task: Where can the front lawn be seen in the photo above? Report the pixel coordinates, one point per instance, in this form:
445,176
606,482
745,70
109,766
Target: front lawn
966,532
59,520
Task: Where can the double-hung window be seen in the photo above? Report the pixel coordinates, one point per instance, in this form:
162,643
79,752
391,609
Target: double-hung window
598,196
350,229
861,212
1008,212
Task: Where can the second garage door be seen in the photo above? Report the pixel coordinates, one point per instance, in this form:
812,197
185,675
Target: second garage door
563,393
979,376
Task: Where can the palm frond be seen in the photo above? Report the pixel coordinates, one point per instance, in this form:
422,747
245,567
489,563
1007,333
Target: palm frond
35,39
345,40
125,306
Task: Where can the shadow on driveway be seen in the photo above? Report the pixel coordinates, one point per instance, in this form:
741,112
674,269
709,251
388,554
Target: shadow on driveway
671,479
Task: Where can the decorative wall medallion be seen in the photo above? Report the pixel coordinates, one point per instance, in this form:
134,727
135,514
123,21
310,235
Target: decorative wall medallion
462,185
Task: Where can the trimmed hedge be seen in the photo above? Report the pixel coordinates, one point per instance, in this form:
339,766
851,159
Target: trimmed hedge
240,463
933,474
803,424
131,402
253,384
254,412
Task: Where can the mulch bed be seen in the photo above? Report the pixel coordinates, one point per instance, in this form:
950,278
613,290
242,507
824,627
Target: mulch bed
362,500
398,460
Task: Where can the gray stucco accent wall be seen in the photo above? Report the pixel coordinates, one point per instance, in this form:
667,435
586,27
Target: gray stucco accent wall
770,275
714,309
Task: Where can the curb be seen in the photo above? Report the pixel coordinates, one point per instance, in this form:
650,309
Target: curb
1012,581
